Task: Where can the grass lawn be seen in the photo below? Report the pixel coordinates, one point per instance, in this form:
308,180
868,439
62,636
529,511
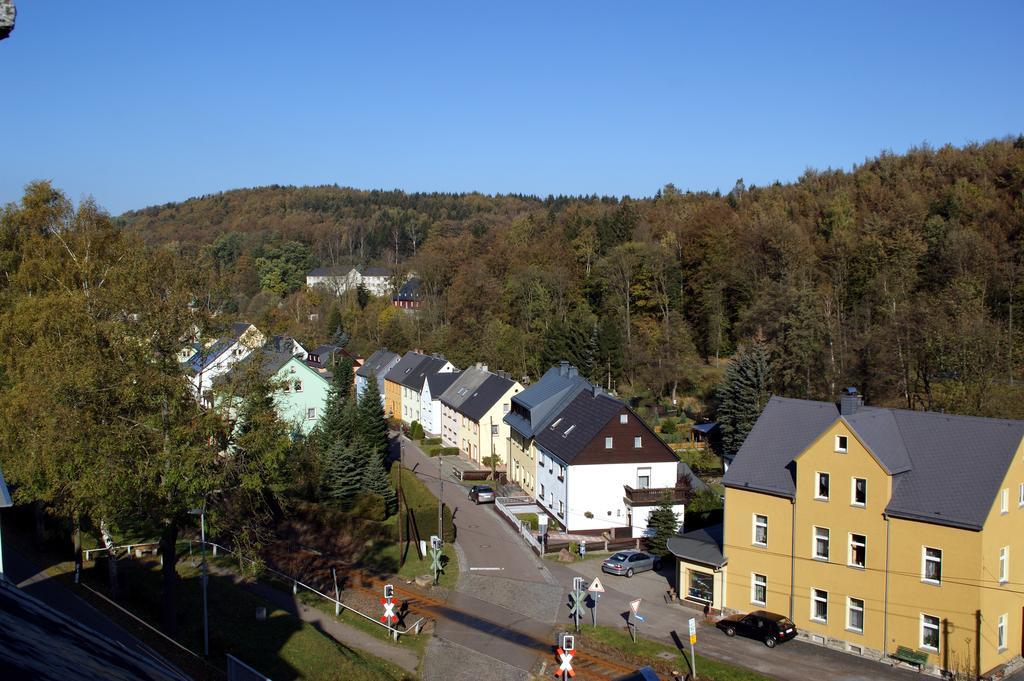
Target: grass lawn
645,651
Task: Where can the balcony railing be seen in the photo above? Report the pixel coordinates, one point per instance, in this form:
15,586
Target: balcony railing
653,495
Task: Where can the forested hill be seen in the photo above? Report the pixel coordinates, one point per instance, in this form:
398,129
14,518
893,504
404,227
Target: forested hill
903,276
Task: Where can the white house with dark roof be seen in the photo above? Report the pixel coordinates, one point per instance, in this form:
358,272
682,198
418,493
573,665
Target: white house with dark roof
434,384
376,368
377,280
215,358
336,278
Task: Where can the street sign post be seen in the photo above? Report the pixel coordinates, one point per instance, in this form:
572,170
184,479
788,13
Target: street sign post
693,639
634,606
576,597
595,589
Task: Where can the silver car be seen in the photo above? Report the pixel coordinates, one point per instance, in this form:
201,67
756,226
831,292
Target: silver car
629,562
481,494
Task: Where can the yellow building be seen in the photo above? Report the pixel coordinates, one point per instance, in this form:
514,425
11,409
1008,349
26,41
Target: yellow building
482,432
877,531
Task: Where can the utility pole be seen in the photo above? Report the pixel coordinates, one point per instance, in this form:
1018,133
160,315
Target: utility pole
401,462
201,512
440,497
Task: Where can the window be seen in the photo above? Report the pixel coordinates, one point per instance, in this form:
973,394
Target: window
821,487
636,442
287,388
505,408
1004,564
841,442
931,565
311,413
1004,501
760,530
858,551
758,589
542,490
1001,633
855,614
643,478
819,605
608,443
821,543
561,509
623,418
929,632
859,493
1020,499
298,386
494,429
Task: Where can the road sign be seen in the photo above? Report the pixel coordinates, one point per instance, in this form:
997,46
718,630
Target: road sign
578,583
693,626
693,639
389,616
596,587
565,663
635,606
640,618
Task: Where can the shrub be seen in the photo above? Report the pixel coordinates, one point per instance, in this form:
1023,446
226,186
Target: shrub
490,461
369,506
416,431
448,451
668,426
431,441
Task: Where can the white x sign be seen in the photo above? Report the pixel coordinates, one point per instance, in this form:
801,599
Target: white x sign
389,610
566,665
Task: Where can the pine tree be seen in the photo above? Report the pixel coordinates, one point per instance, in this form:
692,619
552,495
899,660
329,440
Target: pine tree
375,479
743,393
665,523
341,381
336,423
342,474
371,427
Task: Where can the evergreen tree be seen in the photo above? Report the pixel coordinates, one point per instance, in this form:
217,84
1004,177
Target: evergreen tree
342,381
371,426
665,523
375,479
743,393
342,474
334,322
336,423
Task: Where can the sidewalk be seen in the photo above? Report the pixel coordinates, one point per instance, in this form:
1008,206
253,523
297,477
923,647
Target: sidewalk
346,635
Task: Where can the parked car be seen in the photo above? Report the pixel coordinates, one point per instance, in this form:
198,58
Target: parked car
763,625
481,494
629,563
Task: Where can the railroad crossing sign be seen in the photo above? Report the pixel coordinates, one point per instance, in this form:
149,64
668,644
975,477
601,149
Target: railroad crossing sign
635,606
435,557
596,587
388,601
565,663
576,597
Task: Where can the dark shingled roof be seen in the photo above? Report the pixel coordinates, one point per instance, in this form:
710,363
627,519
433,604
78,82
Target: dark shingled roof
376,272
405,366
545,399
376,362
43,644
703,546
413,378
947,468
578,423
440,382
464,386
410,291
484,397
334,271
198,362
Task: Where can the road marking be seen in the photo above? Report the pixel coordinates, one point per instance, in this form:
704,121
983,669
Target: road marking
486,568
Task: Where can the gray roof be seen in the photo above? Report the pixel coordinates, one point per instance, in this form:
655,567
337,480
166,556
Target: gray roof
379,361
545,398
703,546
333,271
483,398
43,644
410,290
440,382
578,423
405,366
947,468
5,494
376,272
464,386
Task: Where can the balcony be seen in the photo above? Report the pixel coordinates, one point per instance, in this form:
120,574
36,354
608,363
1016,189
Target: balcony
652,496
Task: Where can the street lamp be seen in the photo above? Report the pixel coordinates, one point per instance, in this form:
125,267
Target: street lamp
201,512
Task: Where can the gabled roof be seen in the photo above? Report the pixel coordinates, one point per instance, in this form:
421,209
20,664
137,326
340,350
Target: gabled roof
200,360
410,290
333,271
545,398
377,362
376,272
413,368
483,398
464,386
404,367
946,468
441,381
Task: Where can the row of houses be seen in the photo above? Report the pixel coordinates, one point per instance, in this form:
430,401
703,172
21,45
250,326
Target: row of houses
878,531
585,456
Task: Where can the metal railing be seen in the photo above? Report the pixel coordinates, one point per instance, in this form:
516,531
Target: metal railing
415,628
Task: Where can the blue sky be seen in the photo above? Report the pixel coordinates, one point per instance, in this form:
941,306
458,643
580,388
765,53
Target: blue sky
137,103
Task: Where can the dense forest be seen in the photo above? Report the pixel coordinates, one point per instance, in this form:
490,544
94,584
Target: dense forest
902,276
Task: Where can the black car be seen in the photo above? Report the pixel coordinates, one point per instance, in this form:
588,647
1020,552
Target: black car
763,625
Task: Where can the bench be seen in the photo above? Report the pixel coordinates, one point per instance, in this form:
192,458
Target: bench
911,656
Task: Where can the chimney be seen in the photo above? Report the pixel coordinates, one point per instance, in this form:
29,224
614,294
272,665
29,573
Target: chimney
563,368
850,402
573,371
595,389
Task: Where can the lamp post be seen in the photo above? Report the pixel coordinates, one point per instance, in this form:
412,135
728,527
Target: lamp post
201,512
